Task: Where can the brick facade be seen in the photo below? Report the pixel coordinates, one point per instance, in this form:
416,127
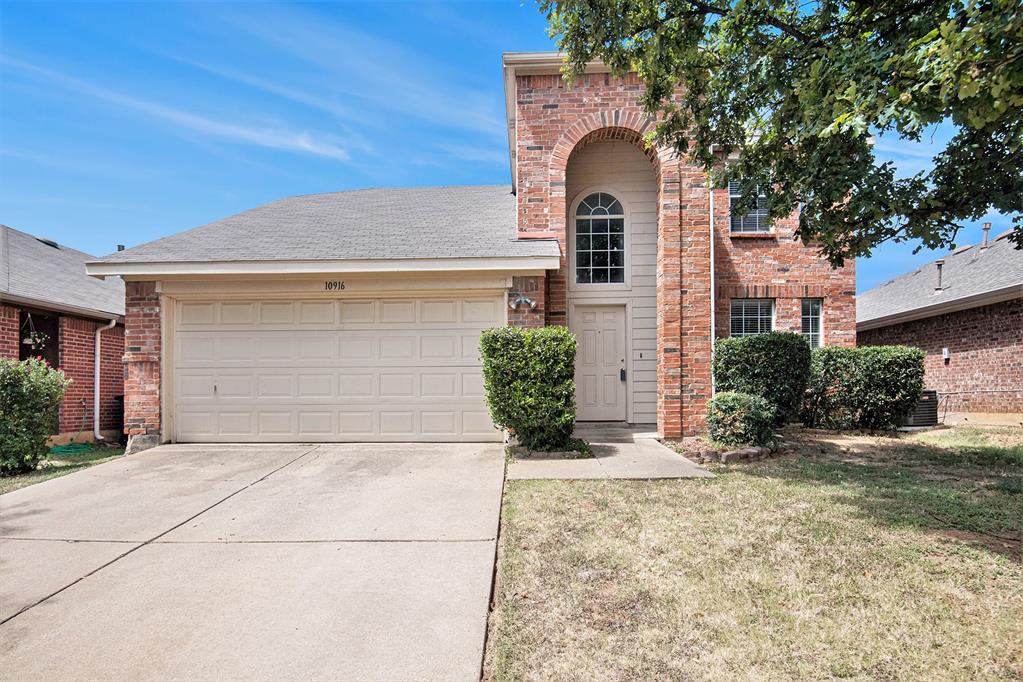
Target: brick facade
553,120
8,332
142,344
984,372
780,267
77,355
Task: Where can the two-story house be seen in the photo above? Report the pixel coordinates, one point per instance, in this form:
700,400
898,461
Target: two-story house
354,316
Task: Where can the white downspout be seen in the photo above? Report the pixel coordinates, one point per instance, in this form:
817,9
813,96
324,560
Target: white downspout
96,379
713,292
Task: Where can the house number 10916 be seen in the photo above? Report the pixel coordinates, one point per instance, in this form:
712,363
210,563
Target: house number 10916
334,286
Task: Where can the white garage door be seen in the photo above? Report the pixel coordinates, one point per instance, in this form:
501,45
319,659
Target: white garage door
332,370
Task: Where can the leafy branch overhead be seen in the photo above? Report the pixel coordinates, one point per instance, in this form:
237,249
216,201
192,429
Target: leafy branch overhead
795,92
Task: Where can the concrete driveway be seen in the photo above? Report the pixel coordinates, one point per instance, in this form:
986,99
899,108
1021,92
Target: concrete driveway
254,562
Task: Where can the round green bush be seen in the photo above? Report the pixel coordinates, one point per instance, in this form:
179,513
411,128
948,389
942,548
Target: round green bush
30,393
775,366
740,419
529,379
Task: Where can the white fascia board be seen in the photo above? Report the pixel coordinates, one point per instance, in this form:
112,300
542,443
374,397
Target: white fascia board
76,311
954,305
103,269
530,64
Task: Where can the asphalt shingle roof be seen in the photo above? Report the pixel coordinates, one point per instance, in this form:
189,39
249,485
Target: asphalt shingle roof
968,271
370,224
35,270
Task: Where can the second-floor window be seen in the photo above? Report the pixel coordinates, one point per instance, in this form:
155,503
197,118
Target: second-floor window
754,221
599,240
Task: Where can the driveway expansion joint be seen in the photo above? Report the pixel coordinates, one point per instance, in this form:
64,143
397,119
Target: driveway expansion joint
155,537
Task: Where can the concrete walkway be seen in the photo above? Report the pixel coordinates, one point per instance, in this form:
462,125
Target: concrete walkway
619,453
274,562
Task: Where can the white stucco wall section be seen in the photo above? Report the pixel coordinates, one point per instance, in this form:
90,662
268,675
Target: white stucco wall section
624,171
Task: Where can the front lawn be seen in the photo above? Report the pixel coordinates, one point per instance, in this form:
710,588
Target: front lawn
60,464
857,557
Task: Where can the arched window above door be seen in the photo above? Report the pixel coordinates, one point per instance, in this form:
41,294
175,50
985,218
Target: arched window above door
599,240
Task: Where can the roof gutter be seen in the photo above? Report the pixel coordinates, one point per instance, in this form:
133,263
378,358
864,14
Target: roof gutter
102,269
994,296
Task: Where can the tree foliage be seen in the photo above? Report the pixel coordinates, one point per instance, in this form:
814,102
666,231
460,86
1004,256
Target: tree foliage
797,91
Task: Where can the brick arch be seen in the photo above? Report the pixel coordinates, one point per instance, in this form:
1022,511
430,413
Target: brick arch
630,126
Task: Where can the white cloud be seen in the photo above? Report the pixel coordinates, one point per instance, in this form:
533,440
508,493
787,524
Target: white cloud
475,154
382,73
272,138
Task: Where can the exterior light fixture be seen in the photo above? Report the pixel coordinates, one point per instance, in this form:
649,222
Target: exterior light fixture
521,300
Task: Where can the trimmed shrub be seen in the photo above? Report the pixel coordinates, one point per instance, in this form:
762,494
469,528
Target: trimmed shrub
870,387
30,393
830,395
891,379
775,366
529,377
740,419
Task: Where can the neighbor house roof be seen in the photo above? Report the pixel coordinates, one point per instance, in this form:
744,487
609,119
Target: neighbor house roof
458,225
970,276
42,273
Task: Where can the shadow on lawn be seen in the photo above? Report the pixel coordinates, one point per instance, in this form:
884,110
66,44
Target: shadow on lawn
969,490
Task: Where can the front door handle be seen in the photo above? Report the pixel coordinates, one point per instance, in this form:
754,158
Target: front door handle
621,374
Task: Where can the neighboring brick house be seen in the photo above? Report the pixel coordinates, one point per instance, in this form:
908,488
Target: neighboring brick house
354,315
50,308
968,318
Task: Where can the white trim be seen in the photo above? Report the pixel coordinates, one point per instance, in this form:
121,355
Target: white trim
529,264
530,64
954,305
617,194
25,302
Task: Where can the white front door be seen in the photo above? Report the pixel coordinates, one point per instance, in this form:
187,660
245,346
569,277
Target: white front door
600,385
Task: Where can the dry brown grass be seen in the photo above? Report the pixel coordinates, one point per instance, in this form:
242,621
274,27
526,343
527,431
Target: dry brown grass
859,558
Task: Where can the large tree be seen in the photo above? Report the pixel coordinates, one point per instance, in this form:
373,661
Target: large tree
796,92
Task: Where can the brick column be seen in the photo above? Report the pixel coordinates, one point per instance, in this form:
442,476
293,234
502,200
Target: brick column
142,344
694,202
9,318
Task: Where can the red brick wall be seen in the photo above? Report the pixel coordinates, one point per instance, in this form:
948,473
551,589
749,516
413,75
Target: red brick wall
142,343
779,266
77,355
532,288
8,332
553,120
985,368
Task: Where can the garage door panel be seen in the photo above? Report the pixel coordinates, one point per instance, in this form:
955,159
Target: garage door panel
374,369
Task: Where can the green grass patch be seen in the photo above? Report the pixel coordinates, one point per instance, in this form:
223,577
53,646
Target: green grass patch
60,462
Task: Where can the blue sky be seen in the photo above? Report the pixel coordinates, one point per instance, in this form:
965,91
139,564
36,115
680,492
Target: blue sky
125,122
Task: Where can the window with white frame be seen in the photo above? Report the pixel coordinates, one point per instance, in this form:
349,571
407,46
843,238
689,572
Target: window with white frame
812,308
599,240
751,316
754,221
